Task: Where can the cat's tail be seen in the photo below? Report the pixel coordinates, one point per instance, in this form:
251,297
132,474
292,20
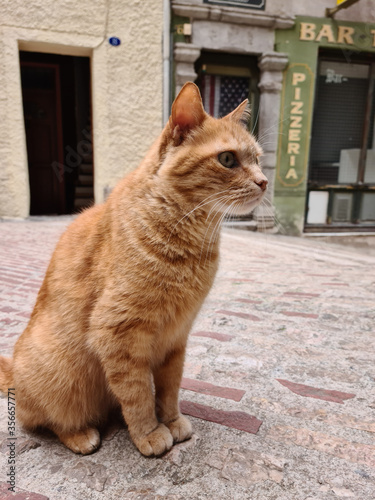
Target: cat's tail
6,374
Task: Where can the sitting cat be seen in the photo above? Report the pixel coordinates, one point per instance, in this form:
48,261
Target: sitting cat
126,282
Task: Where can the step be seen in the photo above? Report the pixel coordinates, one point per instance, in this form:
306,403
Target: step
86,168
85,180
84,192
86,157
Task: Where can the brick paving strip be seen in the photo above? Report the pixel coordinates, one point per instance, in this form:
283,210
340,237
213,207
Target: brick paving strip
300,314
242,280
252,317
314,392
248,301
212,390
234,419
301,294
336,284
5,494
223,337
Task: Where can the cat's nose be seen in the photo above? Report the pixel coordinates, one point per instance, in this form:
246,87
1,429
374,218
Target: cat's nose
262,183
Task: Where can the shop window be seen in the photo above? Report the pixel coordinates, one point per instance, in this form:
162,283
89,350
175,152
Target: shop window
222,94
342,149
368,207
225,80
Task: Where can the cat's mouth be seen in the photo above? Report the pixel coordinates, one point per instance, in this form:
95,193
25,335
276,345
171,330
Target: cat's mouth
247,205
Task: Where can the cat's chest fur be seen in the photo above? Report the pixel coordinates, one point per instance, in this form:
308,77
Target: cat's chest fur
146,276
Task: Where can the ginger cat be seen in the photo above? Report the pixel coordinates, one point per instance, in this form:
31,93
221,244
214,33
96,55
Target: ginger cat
126,282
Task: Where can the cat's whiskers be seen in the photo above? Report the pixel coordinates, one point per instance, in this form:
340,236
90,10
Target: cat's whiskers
269,212
267,131
280,226
216,230
212,211
256,121
200,205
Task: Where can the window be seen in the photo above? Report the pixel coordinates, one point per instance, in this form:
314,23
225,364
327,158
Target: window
225,81
342,150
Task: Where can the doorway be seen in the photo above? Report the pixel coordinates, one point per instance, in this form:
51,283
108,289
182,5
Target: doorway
57,113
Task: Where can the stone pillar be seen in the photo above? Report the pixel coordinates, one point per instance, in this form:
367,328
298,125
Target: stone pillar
185,55
271,65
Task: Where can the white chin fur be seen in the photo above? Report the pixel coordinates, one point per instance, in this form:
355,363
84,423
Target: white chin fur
243,208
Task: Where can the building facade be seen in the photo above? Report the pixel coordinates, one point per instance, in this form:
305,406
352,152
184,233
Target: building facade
310,84
86,87
81,99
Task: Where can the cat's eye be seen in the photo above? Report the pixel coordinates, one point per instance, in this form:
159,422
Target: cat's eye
228,159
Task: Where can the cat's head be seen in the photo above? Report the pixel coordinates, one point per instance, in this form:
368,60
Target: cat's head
208,161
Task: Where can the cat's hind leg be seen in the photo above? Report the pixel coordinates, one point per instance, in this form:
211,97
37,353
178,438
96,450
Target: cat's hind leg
85,441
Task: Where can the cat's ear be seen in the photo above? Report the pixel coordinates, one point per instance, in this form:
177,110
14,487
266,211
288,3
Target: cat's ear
187,110
241,114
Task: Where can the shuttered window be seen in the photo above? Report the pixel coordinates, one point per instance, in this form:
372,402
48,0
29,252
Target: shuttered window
342,150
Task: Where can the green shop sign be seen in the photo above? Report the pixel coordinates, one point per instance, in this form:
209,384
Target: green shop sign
293,147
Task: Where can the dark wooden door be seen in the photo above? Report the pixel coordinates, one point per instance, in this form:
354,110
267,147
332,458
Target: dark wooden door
42,112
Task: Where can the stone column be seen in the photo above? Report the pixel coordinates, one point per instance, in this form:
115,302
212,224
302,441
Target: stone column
185,55
271,65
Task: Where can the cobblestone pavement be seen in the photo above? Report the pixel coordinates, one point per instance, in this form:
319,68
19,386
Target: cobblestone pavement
279,376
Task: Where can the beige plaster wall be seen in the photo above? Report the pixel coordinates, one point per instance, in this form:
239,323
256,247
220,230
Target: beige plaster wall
126,82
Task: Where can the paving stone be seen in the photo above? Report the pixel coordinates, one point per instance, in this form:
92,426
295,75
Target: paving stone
321,415
147,494
212,390
26,445
246,467
92,474
341,448
182,452
314,392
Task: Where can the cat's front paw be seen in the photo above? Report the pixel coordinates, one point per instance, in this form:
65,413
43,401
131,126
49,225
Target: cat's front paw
156,443
181,429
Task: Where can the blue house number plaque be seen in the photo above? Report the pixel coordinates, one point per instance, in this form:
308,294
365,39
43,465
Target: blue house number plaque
114,41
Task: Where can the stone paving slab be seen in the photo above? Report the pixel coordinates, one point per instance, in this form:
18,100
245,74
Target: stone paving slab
303,371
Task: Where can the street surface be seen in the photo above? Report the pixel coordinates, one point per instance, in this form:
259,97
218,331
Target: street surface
279,378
